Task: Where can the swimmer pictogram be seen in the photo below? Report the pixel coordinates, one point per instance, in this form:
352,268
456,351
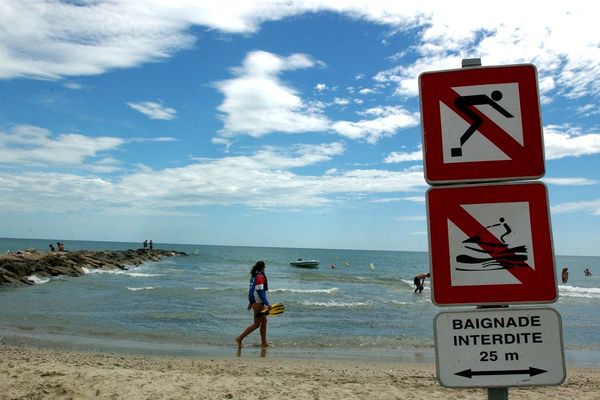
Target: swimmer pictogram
464,104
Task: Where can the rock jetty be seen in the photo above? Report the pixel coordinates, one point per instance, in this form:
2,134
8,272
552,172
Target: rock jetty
16,269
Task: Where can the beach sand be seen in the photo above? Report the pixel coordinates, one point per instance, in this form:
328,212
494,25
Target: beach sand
30,373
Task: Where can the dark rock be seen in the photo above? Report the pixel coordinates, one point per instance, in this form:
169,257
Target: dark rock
15,269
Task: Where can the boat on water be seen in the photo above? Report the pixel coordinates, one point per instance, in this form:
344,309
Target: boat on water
305,263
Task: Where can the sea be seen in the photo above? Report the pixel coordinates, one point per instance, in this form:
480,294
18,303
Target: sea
359,304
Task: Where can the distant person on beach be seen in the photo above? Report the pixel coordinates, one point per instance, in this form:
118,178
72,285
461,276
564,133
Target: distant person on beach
51,247
257,301
565,275
587,272
419,281
145,244
150,244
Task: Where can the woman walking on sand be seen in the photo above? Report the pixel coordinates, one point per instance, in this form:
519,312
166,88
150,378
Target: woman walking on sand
257,301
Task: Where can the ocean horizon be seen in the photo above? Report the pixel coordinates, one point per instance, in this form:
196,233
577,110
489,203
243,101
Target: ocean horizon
195,305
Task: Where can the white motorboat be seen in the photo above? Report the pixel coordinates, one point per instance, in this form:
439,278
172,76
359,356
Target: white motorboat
305,263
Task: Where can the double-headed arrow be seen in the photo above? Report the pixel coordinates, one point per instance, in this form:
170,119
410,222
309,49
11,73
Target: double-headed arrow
468,373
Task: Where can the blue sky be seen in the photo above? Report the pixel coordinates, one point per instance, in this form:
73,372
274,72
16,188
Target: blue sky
268,123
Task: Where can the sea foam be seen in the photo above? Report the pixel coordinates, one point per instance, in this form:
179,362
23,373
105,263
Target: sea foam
336,304
117,272
38,280
575,291
326,291
135,289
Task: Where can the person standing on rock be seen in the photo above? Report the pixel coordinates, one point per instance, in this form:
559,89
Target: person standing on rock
150,244
145,244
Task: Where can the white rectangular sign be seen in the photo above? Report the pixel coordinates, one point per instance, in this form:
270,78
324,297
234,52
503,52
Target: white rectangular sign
499,347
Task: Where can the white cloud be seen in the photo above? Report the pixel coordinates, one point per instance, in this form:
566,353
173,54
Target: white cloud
386,122
414,199
35,146
73,85
589,207
257,102
398,157
154,110
560,40
58,39
575,181
49,192
340,101
588,110
320,87
566,141
263,179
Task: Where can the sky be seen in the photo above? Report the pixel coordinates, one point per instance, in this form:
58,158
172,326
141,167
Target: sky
269,123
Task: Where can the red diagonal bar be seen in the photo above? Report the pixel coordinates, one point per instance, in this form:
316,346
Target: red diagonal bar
504,141
471,227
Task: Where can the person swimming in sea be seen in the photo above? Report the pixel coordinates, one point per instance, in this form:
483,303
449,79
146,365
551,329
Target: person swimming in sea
419,281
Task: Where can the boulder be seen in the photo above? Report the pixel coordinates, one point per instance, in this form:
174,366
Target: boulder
14,269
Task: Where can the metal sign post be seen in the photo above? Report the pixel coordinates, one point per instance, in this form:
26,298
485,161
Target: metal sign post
497,393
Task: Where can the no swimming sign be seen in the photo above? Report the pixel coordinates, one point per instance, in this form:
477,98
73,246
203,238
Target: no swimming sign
481,124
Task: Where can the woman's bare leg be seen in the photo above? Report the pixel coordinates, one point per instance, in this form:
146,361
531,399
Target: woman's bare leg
259,321
263,332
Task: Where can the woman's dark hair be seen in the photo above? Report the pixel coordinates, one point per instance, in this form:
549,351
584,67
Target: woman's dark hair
259,266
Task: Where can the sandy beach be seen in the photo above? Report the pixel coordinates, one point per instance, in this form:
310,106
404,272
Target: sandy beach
31,373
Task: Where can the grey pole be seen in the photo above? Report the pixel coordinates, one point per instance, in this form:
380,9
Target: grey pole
493,393
497,393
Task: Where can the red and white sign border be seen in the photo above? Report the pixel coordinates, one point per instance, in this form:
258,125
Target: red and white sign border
540,286
527,161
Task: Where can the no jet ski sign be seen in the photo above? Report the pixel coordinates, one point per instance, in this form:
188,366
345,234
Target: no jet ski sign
499,348
490,244
481,124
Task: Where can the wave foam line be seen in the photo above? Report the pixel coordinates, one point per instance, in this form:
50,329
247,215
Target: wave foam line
335,304
327,291
135,289
117,272
575,291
